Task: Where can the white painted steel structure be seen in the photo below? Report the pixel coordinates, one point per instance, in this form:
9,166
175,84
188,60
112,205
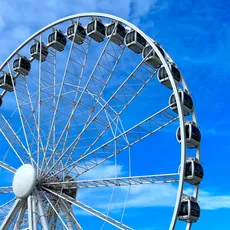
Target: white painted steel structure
52,109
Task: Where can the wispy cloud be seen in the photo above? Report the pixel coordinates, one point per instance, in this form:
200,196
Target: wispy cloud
20,22
162,195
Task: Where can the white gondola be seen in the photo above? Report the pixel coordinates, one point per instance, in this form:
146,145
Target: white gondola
68,190
117,33
192,135
135,42
163,77
57,40
6,82
35,51
189,210
151,56
80,34
194,172
22,65
96,30
187,102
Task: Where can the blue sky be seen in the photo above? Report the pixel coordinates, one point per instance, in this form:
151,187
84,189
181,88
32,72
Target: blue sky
196,35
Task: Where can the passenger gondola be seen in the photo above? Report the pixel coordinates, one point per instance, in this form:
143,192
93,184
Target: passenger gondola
57,40
96,30
189,210
135,42
76,32
35,51
192,135
187,102
194,172
6,82
117,32
151,56
164,78
22,65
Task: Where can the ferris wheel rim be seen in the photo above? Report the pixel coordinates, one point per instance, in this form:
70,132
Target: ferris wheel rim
174,86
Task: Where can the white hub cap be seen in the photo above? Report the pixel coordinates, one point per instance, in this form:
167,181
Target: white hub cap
24,181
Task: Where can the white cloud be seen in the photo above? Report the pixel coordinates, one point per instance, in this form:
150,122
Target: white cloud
209,201
120,8
142,196
21,20
106,170
140,9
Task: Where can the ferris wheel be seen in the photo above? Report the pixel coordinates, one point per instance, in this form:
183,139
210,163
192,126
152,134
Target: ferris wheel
73,98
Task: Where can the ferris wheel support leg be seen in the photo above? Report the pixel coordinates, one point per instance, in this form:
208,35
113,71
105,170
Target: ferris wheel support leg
34,216
30,217
68,207
20,216
67,216
53,227
54,224
43,217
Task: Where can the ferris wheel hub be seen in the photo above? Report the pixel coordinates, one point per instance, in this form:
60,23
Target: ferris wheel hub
24,181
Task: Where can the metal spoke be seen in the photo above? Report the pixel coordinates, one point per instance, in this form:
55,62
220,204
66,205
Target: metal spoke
13,139
67,216
56,212
69,210
5,190
90,210
20,216
122,181
28,111
39,106
7,167
21,117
